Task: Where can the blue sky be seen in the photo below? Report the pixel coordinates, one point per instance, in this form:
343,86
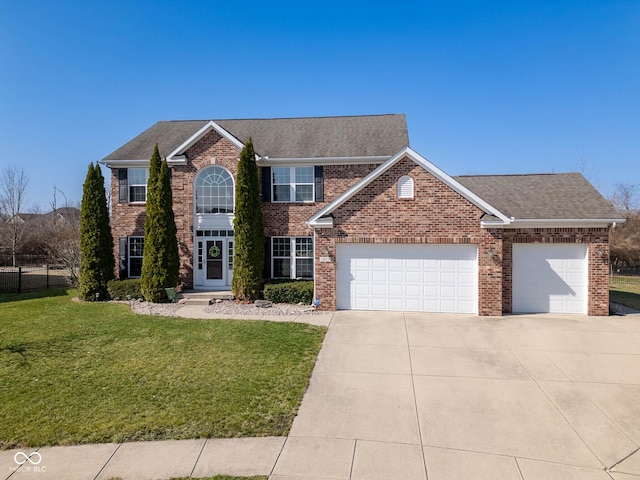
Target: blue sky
488,87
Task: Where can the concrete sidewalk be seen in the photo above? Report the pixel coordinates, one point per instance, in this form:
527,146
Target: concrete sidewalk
410,396
145,460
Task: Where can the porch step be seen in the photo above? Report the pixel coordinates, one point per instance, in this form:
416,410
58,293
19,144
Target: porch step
205,298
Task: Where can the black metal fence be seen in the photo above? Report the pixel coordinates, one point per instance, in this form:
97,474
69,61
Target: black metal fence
25,260
31,278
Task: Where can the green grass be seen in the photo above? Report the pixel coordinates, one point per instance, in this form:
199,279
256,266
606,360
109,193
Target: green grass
625,290
628,295
74,373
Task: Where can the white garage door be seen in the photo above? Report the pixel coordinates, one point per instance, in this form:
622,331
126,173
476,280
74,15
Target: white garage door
427,278
550,278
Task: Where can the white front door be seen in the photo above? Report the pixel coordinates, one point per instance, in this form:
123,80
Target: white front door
214,262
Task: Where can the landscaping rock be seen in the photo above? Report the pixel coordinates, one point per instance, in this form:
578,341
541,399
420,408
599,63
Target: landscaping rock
262,303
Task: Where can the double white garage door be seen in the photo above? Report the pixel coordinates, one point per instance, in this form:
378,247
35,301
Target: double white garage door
426,278
444,278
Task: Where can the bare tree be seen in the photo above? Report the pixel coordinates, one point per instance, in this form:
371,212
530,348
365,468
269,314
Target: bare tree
62,242
588,169
13,187
625,238
624,198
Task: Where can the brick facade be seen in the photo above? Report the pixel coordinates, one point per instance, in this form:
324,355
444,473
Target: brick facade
439,215
436,215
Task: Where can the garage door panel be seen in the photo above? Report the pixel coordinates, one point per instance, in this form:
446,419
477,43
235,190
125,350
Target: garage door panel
434,278
362,275
379,276
396,290
413,291
550,278
431,277
414,277
466,278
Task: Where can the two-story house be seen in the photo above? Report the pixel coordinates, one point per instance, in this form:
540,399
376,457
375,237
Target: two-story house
348,203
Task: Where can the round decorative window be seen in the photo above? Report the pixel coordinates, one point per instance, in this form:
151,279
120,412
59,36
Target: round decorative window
214,251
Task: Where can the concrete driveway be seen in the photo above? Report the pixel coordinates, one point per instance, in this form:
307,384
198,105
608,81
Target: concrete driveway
416,396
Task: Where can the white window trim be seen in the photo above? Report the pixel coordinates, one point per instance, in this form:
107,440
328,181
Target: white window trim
130,184
129,256
292,258
406,187
202,173
292,185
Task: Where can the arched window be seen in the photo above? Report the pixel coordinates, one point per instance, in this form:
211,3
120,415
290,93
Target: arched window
214,191
405,187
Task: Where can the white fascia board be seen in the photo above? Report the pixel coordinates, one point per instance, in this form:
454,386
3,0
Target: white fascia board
266,161
211,125
125,163
324,222
556,223
424,163
178,160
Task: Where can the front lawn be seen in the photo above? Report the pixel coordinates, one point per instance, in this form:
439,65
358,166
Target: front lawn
627,296
74,372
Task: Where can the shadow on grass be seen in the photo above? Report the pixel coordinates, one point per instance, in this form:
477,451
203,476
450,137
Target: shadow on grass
628,299
17,297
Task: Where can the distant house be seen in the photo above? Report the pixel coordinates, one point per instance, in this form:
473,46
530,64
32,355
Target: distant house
67,214
348,203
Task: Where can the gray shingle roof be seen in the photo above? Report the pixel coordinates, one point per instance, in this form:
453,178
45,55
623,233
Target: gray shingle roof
541,196
313,137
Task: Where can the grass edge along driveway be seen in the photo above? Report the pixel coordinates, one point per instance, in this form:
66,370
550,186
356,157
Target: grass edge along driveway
625,290
74,372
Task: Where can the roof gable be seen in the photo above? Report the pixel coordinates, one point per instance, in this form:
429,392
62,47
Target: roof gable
321,218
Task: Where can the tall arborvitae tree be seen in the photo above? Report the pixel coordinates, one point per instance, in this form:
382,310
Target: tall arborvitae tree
160,261
248,262
97,262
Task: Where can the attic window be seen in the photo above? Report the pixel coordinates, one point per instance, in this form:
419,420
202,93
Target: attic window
405,187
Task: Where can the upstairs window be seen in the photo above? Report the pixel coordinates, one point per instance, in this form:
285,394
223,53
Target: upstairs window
405,187
292,184
138,179
214,191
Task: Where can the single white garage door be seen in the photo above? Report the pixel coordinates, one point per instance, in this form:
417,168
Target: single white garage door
550,278
425,278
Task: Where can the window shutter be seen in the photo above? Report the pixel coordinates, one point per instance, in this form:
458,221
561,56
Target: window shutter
122,185
122,257
319,180
266,184
267,258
